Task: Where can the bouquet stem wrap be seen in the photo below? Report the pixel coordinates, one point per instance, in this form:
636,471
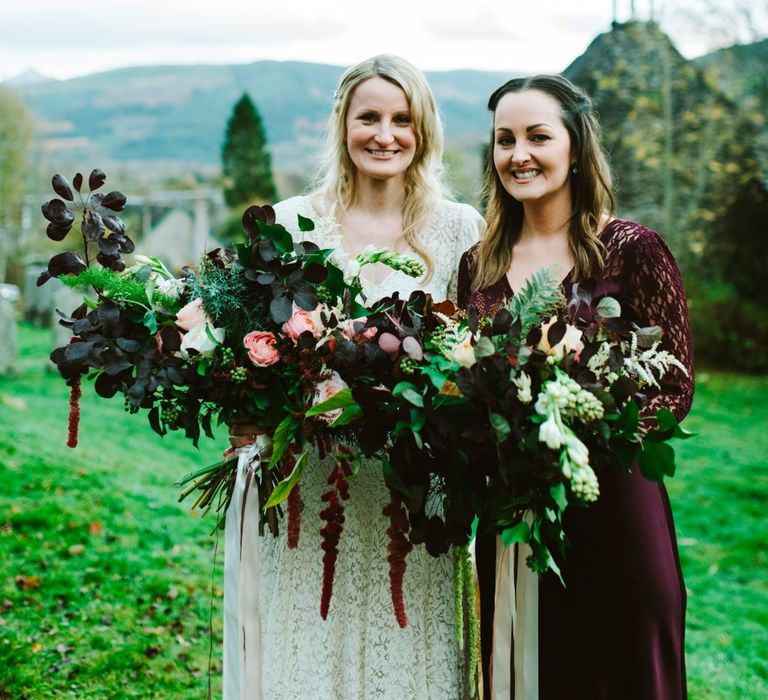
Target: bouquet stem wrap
515,625
242,623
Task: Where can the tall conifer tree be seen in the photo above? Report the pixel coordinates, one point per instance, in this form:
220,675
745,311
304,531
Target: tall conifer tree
246,163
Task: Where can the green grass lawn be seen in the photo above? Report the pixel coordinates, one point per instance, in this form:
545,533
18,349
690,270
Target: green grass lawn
106,579
106,588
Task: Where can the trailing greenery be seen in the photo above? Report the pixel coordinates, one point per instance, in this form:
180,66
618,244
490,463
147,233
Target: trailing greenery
106,586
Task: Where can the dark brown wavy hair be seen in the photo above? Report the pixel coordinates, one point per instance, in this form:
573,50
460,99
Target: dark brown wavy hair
591,189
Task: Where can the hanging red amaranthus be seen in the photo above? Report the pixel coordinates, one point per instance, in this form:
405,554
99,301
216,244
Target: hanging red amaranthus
333,514
294,501
75,394
398,547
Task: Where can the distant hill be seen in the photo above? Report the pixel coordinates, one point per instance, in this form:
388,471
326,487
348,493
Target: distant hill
179,113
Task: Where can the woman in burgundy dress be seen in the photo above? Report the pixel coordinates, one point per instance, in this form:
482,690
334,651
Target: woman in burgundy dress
615,631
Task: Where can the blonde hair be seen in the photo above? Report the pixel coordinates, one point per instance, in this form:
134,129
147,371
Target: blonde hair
591,189
423,178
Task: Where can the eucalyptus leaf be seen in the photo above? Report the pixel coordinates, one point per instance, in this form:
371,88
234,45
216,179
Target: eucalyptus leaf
281,309
305,297
484,348
646,337
608,307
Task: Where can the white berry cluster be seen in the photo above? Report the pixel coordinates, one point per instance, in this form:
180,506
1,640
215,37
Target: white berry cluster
570,398
559,399
584,484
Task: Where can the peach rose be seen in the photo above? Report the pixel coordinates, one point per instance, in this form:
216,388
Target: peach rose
200,334
193,314
325,390
302,321
261,348
571,340
464,352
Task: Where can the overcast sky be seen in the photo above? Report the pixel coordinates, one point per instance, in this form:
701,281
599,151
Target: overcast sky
63,39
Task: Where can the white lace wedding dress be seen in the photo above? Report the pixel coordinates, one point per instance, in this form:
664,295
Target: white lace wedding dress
276,645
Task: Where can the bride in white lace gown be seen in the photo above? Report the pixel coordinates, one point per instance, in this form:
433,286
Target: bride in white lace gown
381,186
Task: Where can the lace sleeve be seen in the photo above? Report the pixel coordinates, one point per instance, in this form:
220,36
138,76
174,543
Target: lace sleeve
470,227
656,297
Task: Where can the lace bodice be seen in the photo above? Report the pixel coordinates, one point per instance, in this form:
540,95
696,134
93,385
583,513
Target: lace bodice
650,292
451,229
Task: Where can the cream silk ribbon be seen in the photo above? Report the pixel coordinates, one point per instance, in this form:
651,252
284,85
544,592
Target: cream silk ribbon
242,625
515,622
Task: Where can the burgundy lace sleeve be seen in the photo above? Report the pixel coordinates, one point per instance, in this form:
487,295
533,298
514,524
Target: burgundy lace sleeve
465,278
652,291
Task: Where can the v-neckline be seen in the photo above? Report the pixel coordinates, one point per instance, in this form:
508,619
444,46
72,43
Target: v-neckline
511,292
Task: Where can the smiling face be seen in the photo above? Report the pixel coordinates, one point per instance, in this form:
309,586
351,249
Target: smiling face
381,139
532,150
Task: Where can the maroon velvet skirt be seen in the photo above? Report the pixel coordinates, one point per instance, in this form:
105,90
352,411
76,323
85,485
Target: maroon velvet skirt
616,630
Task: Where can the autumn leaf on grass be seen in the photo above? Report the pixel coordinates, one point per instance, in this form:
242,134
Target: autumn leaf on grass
27,583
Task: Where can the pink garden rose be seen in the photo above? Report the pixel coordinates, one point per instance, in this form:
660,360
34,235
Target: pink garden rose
303,321
325,390
261,348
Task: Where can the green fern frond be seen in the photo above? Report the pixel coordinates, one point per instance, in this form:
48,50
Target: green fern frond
541,297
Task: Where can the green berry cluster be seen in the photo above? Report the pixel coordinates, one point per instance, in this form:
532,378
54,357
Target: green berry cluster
226,354
238,375
408,365
171,415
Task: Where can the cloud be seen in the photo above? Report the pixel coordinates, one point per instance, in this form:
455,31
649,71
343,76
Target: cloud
579,23
484,26
109,26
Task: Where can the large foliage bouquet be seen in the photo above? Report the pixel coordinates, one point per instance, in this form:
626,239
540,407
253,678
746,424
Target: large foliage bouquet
506,420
